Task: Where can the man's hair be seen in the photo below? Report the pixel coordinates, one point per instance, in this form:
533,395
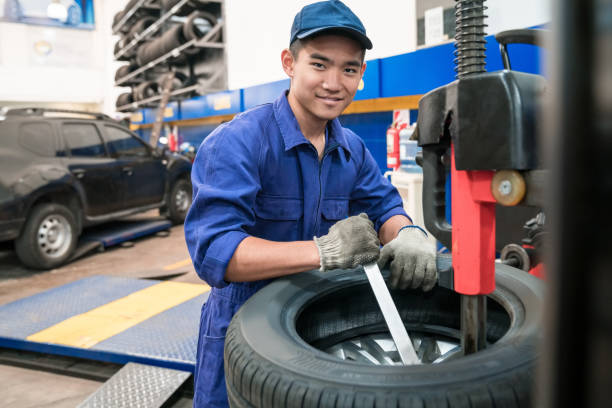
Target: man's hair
297,45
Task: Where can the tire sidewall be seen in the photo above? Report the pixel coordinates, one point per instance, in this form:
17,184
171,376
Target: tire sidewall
26,244
174,213
265,325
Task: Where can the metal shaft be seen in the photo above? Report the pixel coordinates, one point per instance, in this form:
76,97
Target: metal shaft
470,43
470,47
473,323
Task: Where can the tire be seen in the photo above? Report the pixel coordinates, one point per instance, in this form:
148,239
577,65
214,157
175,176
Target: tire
273,348
183,11
146,90
179,201
179,81
124,99
154,49
191,31
39,246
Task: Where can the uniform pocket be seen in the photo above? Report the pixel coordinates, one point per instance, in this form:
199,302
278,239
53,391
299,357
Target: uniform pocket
332,211
278,219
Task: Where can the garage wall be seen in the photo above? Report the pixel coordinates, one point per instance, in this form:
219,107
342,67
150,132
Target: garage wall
257,31
47,64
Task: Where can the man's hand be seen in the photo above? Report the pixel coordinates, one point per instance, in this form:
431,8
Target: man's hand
350,242
413,260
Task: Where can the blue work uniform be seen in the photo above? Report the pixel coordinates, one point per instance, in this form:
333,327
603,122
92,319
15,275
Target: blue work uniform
259,176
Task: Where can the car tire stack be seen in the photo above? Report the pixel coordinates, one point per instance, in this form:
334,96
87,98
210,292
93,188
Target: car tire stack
191,64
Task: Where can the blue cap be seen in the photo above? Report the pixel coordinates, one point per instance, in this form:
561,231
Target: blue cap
328,15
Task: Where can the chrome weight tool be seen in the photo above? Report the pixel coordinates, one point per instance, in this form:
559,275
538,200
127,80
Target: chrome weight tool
390,314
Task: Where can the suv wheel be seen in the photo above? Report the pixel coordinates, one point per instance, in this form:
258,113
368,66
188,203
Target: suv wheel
179,201
48,238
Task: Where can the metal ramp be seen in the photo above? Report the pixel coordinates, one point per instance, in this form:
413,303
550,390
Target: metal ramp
137,385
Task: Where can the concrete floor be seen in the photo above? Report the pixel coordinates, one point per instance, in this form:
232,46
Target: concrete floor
152,257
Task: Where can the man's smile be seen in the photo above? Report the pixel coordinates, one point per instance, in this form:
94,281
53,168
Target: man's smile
329,99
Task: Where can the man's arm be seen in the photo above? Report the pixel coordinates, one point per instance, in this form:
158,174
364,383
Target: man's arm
256,259
349,243
388,231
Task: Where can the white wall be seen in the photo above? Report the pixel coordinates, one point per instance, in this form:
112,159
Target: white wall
510,14
257,30
80,69
74,74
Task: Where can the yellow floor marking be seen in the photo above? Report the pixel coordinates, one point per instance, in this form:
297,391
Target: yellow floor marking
176,265
90,328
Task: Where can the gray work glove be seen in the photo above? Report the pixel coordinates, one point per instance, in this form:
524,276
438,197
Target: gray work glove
349,243
413,260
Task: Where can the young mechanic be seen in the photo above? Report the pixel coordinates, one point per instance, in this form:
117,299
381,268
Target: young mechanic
282,173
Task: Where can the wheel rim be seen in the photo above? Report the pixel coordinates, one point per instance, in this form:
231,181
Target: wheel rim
181,200
54,236
356,331
431,347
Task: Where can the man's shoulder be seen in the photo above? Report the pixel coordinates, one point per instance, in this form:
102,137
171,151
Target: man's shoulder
260,114
354,141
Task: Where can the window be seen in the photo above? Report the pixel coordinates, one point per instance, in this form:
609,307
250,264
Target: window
83,140
435,21
121,143
38,138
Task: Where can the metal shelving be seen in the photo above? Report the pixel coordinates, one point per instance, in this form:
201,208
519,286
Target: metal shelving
201,43
205,67
127,16
151,29
192,88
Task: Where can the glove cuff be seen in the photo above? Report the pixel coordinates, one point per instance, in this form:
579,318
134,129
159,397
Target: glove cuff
413,226
329,252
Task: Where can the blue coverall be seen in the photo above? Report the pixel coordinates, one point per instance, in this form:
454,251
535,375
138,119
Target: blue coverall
259,176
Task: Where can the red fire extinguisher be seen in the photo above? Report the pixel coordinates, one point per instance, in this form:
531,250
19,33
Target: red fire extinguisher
393,148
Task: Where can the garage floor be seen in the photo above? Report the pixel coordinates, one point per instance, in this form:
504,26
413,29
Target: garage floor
160,256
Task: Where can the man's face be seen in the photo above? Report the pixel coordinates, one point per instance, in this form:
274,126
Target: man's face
324,76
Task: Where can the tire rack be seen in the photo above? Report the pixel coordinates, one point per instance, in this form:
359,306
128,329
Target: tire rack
200,87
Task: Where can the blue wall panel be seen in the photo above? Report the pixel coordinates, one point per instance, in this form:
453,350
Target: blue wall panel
372,128
266,93
371,81
195,134
417,72
220,103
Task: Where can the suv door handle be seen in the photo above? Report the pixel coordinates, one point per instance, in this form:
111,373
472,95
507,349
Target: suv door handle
128,170
78,173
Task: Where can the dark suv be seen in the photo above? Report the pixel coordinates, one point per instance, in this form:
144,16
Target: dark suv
62,170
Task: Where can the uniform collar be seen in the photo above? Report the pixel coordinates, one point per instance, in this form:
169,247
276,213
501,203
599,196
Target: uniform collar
290,129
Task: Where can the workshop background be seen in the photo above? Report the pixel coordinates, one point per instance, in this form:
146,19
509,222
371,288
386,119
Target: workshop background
72,71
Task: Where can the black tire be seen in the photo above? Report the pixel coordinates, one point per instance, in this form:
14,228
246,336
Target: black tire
35,246
146,90
154,49
270,360
179,201
183,11
140,26
124,99
191,31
